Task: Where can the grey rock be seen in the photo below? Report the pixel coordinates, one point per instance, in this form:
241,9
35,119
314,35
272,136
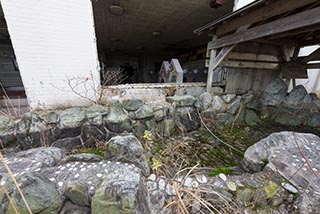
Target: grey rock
68,144
72,117
167,127
96,113
251,117
180,101
218,104
290,188
121,192
274,93
244,196
161,184
70,208
317,103
157,200
205,100
151,186
159,113
91,134
81,158
282,156
298,96
143,112
253,102
132,105
228,97
287,117
7,125
224,119
127,149
41,195
186,119
49,117
314,120
234,106
78,194
117,121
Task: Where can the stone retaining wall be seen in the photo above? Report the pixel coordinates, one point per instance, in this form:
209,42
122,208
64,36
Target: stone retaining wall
75,128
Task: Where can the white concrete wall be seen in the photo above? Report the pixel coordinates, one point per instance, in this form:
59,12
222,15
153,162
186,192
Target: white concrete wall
241,3
54,41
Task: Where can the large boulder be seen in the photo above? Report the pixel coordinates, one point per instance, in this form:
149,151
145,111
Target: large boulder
205,100
122,191
180,101
127,149
274,93
298,96
293,156
218,105
40,194
117,120
72,117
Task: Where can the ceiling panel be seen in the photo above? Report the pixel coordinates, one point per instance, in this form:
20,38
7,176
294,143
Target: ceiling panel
175,19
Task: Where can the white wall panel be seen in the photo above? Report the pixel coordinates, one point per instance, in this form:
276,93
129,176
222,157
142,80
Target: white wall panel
54,41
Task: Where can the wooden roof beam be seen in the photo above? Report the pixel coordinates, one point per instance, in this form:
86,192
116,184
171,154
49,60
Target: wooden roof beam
272,9
299,20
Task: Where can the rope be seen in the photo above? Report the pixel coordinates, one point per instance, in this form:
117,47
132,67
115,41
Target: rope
216,137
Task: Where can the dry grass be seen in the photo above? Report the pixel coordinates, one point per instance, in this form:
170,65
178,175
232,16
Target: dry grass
197,199
16,185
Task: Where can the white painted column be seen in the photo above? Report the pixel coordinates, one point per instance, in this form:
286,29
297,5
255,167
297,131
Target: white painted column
55,43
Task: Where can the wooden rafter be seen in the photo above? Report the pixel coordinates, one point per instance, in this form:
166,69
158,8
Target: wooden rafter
315,55
273,9
299,20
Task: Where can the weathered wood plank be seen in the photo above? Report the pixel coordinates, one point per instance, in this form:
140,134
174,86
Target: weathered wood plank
313,66
213,54
253,57
292,22
245,64
273,9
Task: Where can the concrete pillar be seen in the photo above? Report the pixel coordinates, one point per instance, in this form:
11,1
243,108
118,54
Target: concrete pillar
55,46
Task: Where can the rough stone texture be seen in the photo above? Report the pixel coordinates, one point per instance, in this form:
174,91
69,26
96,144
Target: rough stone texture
205,100
167,127
78,194
122,192
41,195
180,101
96,113
159,112
234,106
288,154
127,149
144,112
72,117
117,121
186,119
297,96
228,97
218,104
274,93
131,105
283,151
70,208
250,117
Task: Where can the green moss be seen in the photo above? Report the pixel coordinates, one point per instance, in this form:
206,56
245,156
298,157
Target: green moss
96,151
271,189
223,170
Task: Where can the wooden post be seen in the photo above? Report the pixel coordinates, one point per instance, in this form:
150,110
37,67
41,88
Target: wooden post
213,54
